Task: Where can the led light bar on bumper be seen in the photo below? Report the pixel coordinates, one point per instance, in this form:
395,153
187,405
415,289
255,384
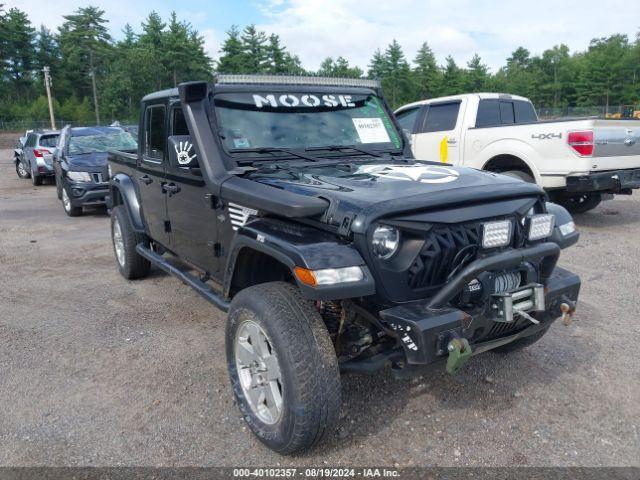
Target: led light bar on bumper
496,234
541,226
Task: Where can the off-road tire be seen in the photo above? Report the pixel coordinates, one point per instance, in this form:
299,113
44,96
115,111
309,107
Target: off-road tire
134,266
581,203
311,392
70,210
24,175
519,174
521,342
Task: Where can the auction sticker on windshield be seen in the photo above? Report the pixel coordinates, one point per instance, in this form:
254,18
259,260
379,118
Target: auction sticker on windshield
371,130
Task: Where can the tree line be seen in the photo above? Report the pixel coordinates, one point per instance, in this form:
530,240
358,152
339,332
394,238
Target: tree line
98,77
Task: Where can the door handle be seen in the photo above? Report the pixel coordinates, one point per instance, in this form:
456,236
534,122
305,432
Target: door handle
146,179
170,188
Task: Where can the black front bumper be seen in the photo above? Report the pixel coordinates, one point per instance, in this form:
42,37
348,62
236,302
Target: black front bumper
82,194
425,331
612,181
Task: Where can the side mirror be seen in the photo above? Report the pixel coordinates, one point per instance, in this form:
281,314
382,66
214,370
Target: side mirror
564,232
181,152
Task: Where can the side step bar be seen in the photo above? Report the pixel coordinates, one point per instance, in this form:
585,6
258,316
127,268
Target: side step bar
199,286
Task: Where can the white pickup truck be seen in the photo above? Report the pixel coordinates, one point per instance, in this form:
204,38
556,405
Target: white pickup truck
578,161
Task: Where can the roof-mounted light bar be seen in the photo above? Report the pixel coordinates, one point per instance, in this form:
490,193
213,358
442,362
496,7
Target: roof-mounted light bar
296,80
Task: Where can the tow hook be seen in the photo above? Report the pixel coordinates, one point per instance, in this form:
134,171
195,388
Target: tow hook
459,352
568,308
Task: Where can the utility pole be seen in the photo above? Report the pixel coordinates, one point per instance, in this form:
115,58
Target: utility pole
47,84
95,90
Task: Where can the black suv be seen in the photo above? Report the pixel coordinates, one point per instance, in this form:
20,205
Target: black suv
295,205
80,164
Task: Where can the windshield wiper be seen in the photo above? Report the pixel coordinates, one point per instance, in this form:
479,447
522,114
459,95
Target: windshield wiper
274,150
337,148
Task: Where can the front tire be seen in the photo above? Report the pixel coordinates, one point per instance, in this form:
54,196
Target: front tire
69,209
283,367
131,264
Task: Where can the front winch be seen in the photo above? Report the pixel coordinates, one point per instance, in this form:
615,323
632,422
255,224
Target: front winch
507,305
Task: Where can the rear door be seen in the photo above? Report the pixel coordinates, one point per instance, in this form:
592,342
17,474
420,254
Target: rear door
151,172
190,208
437,135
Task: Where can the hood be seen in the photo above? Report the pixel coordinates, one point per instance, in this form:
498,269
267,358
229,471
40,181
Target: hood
380,188
88,160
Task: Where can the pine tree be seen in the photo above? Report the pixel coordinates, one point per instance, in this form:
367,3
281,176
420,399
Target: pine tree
339,68
452,78
231,59
428,76
254,50
477,75
18,52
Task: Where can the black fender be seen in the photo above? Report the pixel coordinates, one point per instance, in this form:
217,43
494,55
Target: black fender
294,244
126,188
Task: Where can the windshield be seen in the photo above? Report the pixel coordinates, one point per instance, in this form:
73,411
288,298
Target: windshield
252,121
101,143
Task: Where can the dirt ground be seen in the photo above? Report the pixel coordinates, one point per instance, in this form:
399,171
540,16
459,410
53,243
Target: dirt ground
95,370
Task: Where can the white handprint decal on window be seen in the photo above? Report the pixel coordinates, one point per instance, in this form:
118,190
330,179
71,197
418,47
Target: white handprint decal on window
182,152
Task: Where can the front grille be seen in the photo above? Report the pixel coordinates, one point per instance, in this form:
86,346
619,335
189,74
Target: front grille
444,249
97,177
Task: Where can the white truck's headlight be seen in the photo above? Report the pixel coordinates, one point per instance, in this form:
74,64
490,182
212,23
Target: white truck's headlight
496,234
541,226
78,176
567,229
385,241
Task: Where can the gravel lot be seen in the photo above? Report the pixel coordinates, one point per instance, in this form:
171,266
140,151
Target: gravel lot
95,370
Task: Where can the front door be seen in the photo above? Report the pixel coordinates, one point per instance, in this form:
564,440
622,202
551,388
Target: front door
437,134
190,208
152,171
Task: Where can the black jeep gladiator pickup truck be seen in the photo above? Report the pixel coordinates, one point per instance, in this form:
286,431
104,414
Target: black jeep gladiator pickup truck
295,205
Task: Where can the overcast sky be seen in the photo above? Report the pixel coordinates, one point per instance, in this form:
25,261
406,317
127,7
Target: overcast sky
315,29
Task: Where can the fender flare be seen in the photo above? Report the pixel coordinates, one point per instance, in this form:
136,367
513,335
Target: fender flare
127,191
517,149
268,237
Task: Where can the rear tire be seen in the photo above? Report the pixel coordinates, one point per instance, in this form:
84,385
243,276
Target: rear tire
521,342
581,203
519,174
36,180
131,264
295,340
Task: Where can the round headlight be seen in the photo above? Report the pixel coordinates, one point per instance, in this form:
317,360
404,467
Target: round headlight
385,241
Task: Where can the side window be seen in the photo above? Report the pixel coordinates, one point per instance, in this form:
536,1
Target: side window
507,117
31,140
154,132
179,124
488,113
407,118
525,113
441,117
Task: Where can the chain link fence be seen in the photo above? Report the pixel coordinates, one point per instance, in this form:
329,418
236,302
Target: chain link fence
616,111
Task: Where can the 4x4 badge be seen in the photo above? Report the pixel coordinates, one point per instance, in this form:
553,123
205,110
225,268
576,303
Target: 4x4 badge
182,152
